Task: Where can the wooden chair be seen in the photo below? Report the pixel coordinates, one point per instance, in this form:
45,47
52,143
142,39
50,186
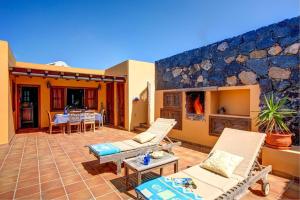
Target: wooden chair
51,124
89,119
101,123
74,120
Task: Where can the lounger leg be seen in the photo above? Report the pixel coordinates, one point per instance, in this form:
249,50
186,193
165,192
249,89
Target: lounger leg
118,163
265,185
139,178
161,171
176,167
126,176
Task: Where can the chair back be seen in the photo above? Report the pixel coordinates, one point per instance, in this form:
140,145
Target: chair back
49,117
89,116
245,144
75,116
161,127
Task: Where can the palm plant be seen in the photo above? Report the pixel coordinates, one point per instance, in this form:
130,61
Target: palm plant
272,116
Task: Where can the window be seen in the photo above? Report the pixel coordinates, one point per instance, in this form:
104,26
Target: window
75,98
57,96
91,98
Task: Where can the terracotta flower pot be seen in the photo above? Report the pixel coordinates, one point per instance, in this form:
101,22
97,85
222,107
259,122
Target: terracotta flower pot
279,140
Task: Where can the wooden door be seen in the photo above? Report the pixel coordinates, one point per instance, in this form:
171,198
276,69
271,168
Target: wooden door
121,104
28,106
110,103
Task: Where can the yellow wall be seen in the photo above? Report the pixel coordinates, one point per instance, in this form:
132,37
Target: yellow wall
198,131
235,97
45,92
6,119
138,74
284,162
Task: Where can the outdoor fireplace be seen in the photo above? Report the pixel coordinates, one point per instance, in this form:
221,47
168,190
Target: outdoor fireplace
195,105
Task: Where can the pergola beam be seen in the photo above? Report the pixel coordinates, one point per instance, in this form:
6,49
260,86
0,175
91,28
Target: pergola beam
62,75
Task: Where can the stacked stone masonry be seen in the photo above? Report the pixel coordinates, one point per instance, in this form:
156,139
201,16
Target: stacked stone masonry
268,56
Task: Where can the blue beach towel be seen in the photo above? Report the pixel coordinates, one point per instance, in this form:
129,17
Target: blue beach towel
104,149
166,189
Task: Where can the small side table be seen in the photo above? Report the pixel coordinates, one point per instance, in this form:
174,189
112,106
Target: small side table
135,165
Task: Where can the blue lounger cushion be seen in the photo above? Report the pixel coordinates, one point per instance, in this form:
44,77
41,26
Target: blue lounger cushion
165,188
104,149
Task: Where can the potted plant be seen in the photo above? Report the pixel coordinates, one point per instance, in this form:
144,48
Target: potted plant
271,119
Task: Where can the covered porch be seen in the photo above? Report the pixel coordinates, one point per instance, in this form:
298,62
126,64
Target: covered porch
38,89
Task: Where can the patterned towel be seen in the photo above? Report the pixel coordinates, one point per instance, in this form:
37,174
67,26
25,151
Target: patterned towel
104,149
165,188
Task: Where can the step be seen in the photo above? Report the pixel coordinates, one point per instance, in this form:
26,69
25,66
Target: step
139,129
144,125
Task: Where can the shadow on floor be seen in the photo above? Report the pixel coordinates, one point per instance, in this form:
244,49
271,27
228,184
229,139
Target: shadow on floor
120,183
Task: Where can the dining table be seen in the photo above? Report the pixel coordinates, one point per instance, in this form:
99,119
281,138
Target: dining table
64,118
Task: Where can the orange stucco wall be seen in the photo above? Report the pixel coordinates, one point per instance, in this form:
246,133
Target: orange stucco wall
240,100
6,116
137,75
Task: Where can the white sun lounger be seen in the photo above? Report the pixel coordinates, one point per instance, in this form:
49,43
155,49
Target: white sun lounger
213,186
130,148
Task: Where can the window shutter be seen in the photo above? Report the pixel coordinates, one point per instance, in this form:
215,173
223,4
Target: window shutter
91,98
57,98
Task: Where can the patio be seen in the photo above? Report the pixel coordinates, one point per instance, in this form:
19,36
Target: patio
57,166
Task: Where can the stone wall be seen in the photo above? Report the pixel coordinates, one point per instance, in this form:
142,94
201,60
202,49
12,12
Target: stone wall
268,56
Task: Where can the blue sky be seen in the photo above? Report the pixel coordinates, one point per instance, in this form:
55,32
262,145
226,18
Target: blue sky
101,33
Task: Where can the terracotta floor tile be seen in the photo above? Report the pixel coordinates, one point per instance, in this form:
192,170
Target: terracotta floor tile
92,182
101,190
71,179
70,172
83,194
75,187
51,185
49,172
65,197
110,196
11,179
7,187
22,192
49,177
28,182
31,197
72,157
291,194
53,193
28,175
7,195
